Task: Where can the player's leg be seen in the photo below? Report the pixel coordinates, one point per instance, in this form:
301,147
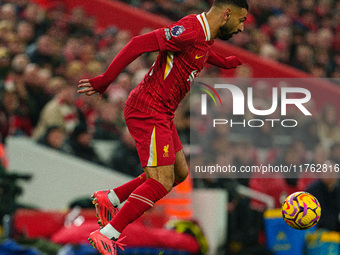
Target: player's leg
159,183
180,168
157,152
123,192
155,146
165,175
107,201
120,194
160,179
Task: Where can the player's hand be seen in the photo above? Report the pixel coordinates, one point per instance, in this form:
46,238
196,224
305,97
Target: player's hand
86,88
232,62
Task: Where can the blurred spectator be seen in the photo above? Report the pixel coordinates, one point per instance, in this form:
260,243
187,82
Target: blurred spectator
309,135
107,39
41,53
71,49
182,123
14,119
88,106
18,66
80,144
87,54
334,154
94,68
79,23
217,142
263,140
303,58
327,191
106,126
34,87
55,85
60,111
320,154
263,136
5,63
25,32
268,51
125,157
279,185
8,12
294,154
328,128
245,155
54,137
74,71
121,88
33,14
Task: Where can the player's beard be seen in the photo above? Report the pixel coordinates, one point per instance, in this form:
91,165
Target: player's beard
225,32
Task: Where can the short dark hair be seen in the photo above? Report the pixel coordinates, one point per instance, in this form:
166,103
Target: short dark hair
239,3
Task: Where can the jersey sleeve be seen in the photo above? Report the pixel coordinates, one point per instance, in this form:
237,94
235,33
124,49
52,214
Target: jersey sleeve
178,36
137,46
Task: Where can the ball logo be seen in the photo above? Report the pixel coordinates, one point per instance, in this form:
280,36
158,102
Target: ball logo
177,30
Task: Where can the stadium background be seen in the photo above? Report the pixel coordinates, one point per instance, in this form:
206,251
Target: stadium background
45,48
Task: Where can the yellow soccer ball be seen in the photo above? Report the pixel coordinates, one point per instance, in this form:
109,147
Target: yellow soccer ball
301,210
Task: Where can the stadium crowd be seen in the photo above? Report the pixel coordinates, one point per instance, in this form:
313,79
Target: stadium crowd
44,53
303,34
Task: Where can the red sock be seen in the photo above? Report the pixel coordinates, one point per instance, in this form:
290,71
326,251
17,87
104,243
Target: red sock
141,200
124,191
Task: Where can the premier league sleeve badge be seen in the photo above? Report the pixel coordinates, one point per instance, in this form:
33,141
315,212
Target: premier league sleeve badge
177,30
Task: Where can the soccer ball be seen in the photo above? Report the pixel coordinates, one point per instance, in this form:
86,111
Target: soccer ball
301,210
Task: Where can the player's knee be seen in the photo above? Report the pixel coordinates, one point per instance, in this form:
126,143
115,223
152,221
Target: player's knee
168,183
163,174
167,180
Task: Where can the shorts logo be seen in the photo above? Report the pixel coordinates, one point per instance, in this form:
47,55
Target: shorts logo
167,34
166,151
177,30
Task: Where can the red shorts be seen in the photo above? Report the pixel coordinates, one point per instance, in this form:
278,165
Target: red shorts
156,137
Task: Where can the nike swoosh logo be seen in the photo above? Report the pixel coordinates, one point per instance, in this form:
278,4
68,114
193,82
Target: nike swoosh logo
198,57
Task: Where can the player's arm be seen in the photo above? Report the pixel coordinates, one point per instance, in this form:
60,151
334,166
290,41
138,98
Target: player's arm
223,62
136,47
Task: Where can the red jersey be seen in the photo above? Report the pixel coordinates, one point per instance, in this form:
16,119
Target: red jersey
184,47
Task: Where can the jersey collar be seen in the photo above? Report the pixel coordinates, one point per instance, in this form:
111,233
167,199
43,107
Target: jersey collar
205,25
